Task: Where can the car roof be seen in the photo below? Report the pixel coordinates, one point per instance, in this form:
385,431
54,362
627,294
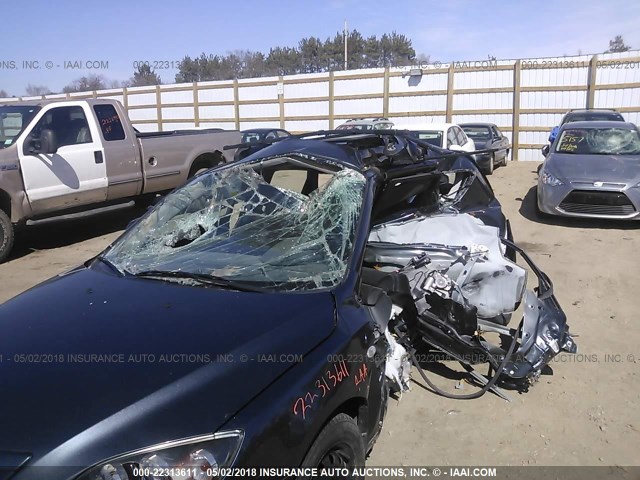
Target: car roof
477,124
367,121
353,150
426,126
599,124
592,110
263,130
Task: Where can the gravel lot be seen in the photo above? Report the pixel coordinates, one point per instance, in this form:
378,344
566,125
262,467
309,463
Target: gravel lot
587,412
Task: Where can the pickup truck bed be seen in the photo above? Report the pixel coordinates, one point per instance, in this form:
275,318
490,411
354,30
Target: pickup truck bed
57,156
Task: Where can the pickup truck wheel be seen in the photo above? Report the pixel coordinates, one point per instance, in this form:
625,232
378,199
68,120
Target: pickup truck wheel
197,171
339,445
6,236
204,162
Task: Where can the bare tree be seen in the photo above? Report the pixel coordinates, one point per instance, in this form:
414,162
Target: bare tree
618,45
37,90
4,94
87,84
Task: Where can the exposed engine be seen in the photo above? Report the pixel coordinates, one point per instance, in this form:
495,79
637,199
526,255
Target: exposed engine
459,287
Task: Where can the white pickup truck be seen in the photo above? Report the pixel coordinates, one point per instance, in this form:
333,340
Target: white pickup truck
67,157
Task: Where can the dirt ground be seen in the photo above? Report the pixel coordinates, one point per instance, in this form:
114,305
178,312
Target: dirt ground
587,412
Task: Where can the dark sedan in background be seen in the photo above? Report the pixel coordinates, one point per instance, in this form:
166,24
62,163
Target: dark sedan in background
257,138
487,136
592,170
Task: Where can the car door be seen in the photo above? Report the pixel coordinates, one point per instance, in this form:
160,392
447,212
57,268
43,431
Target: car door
451,138
75,174
500,142
465,142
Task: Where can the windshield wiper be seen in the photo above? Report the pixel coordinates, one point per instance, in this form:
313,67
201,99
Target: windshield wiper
202,278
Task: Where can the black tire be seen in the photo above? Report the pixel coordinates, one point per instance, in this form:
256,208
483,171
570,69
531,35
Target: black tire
203,163
505,159
7,235
489,169
195,170
339,445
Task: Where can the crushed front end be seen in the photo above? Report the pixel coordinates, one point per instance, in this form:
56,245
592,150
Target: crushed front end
464,288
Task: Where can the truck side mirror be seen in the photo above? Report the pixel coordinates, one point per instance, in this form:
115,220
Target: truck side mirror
48,141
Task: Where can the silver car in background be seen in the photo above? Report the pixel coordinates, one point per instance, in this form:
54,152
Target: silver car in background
592,169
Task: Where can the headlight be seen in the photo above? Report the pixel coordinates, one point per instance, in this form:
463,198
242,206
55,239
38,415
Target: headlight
549,179
548,338
197,458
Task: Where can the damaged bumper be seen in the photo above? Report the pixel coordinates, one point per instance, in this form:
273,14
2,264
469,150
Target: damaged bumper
545,332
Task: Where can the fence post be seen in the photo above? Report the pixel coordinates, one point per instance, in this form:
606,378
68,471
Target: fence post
236,105
331,119
449,112
125,99
515,115
591,81
159,107
281,100
385,95
196,105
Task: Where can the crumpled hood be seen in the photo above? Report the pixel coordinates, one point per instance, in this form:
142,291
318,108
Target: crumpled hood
190,360
596,168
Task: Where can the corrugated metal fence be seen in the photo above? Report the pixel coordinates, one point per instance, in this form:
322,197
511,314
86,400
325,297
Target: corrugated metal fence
525,97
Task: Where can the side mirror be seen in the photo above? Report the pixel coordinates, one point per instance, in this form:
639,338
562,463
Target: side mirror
545,150
48,141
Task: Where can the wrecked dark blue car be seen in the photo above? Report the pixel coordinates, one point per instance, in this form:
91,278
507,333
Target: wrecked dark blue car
262,314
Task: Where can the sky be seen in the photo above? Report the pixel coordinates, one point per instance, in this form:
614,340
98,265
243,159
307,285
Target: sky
44,42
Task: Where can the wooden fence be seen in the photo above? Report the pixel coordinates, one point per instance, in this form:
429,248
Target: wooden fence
524,97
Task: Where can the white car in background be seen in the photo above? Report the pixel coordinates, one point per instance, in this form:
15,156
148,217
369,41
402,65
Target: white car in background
442,135
378,123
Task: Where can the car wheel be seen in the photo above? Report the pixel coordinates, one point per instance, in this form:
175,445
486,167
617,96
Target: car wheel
505,159
489,169
339,445
6,236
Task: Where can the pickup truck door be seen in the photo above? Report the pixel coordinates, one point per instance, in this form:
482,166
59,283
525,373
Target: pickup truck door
76,174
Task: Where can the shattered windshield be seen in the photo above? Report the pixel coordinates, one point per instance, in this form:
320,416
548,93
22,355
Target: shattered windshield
246,224
599,141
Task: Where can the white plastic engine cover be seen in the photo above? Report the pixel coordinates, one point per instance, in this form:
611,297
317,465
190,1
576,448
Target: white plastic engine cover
494,286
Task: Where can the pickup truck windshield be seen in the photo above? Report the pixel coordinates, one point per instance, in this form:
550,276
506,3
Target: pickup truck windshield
13,120
237,224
